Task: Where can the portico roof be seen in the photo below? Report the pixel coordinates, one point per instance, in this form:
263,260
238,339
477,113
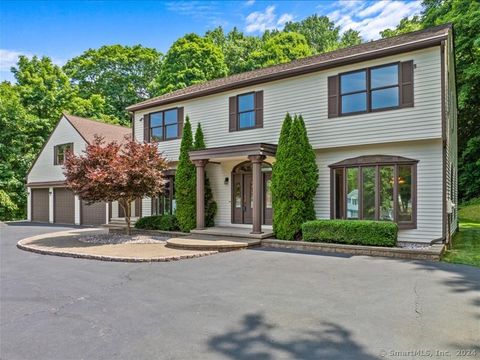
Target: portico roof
233,151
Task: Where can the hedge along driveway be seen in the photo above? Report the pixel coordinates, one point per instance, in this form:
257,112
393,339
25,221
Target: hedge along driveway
354,232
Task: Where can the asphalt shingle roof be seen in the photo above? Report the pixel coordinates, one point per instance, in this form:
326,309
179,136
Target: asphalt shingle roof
299,66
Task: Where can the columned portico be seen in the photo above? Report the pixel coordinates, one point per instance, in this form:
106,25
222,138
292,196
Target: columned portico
200,166
257,192
256,155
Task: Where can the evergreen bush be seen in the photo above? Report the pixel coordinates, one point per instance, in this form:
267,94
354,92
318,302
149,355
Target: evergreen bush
210,204
164,222
294,180
185,182
355,232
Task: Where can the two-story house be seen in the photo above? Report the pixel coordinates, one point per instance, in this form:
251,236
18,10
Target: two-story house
381,117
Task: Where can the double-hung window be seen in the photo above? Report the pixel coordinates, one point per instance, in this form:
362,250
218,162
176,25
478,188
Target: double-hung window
164,125
371,89
246,111
375,188
60,153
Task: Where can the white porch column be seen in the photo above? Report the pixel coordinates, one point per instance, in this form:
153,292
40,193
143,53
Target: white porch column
50,205
29,204
115,209
77,210
107,212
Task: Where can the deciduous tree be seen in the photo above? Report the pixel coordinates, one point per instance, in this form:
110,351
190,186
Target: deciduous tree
116,172
122,74
191,60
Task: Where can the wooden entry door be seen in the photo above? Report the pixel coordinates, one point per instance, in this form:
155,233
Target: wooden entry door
267,199
242,199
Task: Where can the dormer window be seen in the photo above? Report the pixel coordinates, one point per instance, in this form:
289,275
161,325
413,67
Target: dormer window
60,153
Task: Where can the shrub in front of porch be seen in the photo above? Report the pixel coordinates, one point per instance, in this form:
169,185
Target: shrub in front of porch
164,222
353,232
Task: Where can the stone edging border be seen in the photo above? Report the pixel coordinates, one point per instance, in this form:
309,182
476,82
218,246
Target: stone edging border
113,258
433,253
71,233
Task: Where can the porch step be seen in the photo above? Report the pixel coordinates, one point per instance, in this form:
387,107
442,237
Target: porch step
119,223
211,243
233,232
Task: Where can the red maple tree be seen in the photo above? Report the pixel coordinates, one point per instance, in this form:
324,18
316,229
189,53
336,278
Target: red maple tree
116,172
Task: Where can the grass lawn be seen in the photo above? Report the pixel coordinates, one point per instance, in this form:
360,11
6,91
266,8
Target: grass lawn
466,243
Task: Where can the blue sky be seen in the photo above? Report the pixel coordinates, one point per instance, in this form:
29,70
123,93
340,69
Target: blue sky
64,29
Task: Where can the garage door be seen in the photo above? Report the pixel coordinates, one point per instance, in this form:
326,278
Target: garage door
93,214
40,205
64,206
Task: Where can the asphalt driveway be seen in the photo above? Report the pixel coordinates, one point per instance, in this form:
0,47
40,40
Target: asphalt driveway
251,304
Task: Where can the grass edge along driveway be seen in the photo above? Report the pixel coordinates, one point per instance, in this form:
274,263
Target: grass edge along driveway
466,242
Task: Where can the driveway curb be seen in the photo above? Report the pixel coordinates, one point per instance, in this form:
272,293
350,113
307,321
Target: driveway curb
23,245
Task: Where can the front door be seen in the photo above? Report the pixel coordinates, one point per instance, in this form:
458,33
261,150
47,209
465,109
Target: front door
242,198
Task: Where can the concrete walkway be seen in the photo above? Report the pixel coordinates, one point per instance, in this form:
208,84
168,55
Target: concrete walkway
66,243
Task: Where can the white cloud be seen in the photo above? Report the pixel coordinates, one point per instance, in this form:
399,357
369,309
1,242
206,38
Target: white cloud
371,18
199,10
249,2
259,21
9,58
284,19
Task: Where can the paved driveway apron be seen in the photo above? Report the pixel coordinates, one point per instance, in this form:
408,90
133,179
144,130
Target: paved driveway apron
240,305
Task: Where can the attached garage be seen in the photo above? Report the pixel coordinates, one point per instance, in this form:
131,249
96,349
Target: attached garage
39,205
64,206
93,214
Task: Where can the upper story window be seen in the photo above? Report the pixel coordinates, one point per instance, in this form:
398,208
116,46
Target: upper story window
375,188
163,125
60,153
246,111
372,89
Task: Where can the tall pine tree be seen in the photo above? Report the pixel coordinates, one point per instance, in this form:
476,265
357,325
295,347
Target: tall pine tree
210,204
185,183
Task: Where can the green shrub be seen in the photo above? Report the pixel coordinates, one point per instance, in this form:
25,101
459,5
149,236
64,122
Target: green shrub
294,180
355,232
158,222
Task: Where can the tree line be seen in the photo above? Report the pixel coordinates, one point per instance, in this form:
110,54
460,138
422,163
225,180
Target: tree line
101,82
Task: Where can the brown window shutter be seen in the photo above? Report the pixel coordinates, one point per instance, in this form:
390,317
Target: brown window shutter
406,85
259,109
333,96
55,153
180,116
154,206
232,110
146,128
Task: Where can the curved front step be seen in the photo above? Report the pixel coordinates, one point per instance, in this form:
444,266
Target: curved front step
209,245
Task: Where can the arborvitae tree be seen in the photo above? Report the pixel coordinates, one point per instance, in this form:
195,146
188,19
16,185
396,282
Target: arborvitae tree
310,173
278,190
296,176
210,204
185,182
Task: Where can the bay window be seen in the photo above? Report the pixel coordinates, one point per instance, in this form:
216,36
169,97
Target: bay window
375,188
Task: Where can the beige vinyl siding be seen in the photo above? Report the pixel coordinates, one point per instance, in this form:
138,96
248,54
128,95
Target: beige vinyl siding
429,182
44,169
451,181
307,95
